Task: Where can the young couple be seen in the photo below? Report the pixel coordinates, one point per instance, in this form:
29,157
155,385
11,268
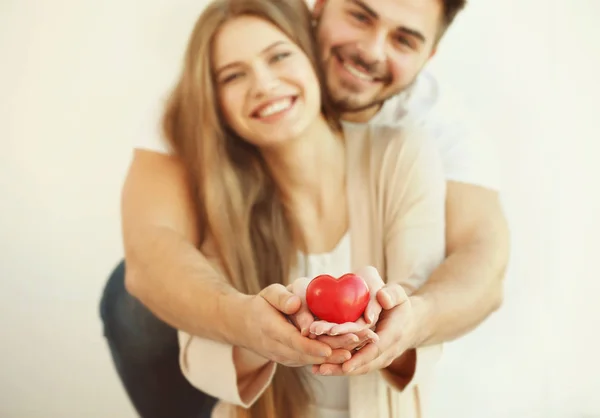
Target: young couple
298,143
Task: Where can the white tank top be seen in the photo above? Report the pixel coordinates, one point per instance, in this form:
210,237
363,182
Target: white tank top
331,393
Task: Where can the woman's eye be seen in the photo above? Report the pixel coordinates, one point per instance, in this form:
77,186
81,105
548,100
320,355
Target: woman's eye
231,77
278,57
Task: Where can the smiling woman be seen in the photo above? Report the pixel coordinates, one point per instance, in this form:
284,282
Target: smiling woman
267,87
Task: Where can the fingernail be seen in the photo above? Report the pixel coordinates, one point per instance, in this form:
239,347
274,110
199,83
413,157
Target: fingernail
334,333
325,354
326,373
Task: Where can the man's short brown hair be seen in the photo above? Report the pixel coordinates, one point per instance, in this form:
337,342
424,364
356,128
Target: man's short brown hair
450,9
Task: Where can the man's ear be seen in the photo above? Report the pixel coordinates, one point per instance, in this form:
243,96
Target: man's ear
433,51
318,8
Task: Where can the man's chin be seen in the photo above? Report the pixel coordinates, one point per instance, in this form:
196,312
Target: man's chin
356,105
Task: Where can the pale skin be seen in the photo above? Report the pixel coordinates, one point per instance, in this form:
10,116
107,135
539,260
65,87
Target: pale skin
169,275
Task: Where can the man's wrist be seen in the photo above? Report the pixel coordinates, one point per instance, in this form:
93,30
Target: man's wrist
424,311
232,313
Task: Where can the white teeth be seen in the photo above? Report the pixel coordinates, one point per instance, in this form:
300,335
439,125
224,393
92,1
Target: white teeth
276,107
357,73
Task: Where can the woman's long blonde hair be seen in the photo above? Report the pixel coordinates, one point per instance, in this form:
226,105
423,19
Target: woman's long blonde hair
237,202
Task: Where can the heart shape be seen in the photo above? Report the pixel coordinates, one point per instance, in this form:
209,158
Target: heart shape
337,300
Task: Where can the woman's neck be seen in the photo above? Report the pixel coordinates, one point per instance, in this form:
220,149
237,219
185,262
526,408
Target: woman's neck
311,169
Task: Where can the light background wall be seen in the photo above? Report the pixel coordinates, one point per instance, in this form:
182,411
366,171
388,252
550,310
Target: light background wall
75,81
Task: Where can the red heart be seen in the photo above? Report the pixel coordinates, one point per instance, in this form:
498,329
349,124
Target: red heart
337,300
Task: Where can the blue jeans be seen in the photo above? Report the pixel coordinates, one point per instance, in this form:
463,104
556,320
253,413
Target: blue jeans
145,352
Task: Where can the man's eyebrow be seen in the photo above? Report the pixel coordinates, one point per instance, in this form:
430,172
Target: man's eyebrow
401,29
365,8
236,63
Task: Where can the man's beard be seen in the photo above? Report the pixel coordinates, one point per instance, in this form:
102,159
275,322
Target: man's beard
350,104
348,99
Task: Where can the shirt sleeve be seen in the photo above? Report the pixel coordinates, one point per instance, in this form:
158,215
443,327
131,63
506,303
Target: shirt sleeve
415,227
209,366
468,152
414,209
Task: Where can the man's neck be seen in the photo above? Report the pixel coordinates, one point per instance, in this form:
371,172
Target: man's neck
361,116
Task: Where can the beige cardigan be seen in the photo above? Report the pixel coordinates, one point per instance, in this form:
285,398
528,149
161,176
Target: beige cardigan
396,197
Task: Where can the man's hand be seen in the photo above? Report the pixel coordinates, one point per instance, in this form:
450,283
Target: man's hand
395,328
266,331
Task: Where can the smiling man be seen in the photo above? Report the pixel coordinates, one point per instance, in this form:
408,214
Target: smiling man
373,52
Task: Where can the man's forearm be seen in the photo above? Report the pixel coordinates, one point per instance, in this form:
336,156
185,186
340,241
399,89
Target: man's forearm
462,292
177,283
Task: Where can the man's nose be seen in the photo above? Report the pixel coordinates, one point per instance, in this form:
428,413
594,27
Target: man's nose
373,47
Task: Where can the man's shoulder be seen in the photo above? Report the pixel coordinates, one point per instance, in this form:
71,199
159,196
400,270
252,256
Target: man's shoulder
438,110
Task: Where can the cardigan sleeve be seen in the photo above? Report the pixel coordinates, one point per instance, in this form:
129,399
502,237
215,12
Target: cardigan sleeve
414,228
209,366
414,209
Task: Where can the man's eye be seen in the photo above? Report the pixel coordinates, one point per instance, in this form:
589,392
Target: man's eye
402,40
361,17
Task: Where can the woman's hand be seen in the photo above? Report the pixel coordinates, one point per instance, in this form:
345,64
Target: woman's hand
348,336
303,320
369,319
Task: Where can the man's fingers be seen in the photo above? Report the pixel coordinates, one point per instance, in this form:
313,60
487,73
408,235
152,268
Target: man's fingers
391,296
328,369
364,356
338,357
289,336
341,341
281,299
289,357
367,335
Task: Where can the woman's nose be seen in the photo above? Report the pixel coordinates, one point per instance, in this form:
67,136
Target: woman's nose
265,81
